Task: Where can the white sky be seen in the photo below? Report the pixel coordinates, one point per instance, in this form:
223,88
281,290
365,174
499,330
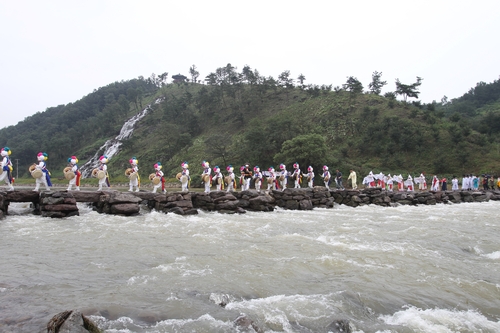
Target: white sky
55,52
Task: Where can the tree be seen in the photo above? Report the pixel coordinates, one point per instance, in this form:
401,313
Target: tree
285,80
305,149
353,85
408,90
194,73
377,84
301,79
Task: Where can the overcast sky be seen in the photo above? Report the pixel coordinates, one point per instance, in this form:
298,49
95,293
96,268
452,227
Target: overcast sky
56,52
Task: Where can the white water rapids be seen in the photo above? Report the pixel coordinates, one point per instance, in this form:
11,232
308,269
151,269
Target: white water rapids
394,269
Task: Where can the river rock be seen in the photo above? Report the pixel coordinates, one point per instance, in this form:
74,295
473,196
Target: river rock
125,209
71,322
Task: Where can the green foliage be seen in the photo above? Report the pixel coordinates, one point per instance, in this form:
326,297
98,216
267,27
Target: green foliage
307,149
408,90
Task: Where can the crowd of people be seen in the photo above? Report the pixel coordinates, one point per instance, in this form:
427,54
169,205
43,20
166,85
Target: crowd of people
269,179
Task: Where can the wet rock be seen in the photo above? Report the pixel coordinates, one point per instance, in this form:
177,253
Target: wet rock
305,204
340,325
125,209
243,322
71,322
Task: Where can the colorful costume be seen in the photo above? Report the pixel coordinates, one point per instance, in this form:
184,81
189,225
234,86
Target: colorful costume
184,178
370,180
352,177
271,179
296,175
435,184
206,176
389,183
45,179
7,168
158,173
326,176
231,185
134,178
104,168
310,176
74,168
283,176
257,176
246,175
218,178
422,183
409,184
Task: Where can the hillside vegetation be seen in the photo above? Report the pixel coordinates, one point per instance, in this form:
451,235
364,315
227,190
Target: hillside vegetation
243,117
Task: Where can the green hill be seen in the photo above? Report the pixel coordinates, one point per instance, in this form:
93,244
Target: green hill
244,117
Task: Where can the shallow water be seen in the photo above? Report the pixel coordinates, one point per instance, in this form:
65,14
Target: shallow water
395,269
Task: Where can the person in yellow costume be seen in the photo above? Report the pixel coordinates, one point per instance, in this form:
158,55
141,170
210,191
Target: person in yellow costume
352,177
135,179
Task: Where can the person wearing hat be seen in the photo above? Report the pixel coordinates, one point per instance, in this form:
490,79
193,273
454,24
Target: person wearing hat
271,178
257,176
230,183
218,179
6,174
296,175
159,174
103,167
246,177
135,180
184,178
310,176
206,176
283,176
45,179
326,177
74,168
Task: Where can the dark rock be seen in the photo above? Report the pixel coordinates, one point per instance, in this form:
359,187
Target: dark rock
240,210
191,211
177,210
305,204
121,197
125,208
59,208
338,326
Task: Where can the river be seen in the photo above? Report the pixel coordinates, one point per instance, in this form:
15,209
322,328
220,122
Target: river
385,269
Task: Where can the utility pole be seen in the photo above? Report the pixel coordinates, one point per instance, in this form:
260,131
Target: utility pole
17,168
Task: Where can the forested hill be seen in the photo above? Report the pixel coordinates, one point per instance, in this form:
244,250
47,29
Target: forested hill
239,117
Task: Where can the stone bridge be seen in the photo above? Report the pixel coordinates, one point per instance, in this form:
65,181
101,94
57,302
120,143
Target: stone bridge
63,203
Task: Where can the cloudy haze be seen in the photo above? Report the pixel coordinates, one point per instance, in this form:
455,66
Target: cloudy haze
56,52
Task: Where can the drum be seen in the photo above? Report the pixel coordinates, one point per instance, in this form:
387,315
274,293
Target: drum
1,170
219,180
94,172
32,167
151,176
178,176
132,176
227,180
68,173
37,173
309,178
206,178
327,178
295,177
183,179
282,178
156,180
269,181
128,171
101,174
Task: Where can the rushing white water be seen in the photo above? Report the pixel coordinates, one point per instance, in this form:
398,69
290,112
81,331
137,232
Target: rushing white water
112,146
394,269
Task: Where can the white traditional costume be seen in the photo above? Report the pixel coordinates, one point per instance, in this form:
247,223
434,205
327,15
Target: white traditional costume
246,177
296,175
75,181
134,179
409,184
104,181
370,180
352,177
310,176
158,173
184,176
422,183
218,179
435,184
326,176
257,176
206,176
45,179
389,183
7,168
230,179
271,179
399,180
283,176
454,184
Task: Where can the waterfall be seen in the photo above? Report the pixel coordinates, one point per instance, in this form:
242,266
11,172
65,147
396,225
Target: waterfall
112,146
